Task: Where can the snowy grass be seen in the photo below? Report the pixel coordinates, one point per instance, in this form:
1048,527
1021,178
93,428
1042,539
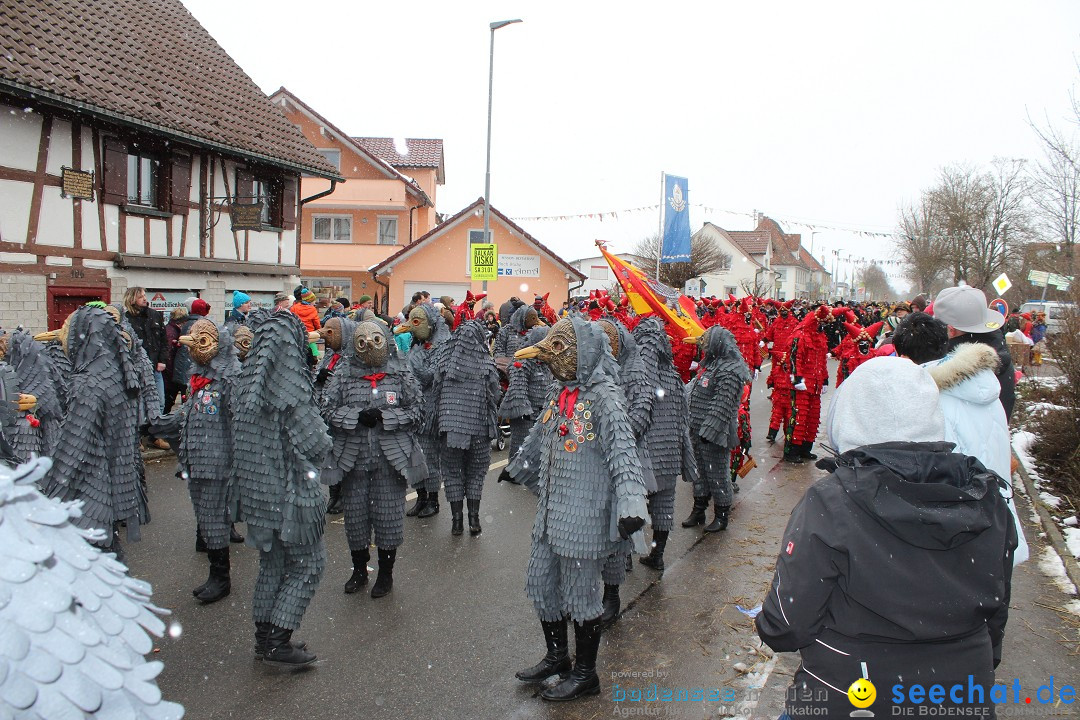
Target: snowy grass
1052,566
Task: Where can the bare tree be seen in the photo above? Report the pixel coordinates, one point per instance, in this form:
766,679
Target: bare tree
705,257
972,222
1056,190
876,282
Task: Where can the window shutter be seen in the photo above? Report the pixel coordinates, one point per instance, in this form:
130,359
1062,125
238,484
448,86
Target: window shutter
114,174
288,203
180,184
245,187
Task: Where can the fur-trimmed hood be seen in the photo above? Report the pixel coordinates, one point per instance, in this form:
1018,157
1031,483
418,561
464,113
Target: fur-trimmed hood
968,372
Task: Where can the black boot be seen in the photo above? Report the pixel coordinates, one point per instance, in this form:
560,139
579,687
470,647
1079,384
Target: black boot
457,520
385,580
262,632
583,679
792,453
720,519
234,536
655,559
218,586
282,653
557,659
421,503
474,518
771,436
431,507
804,450
697,515
334,506
200,544
359,573
612,605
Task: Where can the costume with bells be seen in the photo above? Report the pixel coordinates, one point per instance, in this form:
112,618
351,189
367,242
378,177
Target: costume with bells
373,408
809,378
466,393
205,451
715,394
95,460
580,458
279,444
429,331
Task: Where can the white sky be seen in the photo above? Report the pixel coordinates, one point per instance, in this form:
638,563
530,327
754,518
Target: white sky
830,112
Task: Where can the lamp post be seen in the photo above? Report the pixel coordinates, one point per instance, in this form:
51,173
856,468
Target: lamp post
487,172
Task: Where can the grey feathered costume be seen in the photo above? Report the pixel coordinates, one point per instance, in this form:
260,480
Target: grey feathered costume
714,395
95,460
75,625
467,393
580,459
205,451
427,340
526,393
36,432
373,407
279,443
514,335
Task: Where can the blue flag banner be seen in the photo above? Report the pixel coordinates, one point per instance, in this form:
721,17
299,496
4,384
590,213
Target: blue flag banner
676,244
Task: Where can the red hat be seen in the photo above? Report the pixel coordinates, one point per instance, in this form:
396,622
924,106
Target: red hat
855,332
469,297
200,307
822,313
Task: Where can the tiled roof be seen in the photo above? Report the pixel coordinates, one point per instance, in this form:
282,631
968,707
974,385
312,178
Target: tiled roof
753,242
426,153
149,64
445,225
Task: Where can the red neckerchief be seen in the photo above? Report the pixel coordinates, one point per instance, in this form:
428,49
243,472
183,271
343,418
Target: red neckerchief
333,361
198,382
567,400
427,346
374,378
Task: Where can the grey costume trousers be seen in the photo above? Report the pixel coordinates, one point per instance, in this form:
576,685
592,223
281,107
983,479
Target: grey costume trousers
464,470
288,578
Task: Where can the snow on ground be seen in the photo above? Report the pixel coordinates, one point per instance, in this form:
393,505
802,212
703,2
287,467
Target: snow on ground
1042,407
1022,442
1050,501
1052,566
1072,539
1045,381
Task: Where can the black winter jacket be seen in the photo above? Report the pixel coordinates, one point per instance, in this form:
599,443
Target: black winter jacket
897,565
1006,373
149,325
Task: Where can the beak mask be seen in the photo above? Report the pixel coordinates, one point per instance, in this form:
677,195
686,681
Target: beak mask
370,344
558,351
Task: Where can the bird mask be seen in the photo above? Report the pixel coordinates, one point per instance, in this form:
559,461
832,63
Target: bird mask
242,338
371,346
417,324
60,335
558,351
331,332
201,341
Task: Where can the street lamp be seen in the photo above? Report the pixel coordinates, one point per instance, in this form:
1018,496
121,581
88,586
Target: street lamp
487,173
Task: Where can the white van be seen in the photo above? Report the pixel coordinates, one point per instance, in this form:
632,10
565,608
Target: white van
1055,313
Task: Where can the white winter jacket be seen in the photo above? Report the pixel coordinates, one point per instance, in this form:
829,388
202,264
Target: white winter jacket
974,417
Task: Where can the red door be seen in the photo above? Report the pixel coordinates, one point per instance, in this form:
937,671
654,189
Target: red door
65,300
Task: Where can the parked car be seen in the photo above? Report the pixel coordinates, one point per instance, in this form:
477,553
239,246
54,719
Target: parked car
1055,313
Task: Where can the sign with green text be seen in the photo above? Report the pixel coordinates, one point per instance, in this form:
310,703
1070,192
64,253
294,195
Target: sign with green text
484,261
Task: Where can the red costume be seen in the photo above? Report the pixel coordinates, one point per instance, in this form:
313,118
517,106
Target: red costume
809,374
746,335
779,336
859,348
464,311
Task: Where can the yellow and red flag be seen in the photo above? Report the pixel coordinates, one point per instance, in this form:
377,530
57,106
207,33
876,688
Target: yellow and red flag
649,296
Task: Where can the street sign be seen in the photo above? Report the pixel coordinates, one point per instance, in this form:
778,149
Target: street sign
1038,278
1001,306
1059,281
1002,284
483,261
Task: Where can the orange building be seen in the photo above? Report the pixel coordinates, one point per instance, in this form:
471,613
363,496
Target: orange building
386,202
439,263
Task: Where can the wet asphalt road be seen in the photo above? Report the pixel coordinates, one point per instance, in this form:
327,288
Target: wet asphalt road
446,642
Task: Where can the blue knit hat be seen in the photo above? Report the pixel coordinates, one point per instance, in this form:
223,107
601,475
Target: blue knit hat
239,298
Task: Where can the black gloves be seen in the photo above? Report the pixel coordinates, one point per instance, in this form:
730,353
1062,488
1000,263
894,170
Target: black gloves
370,417
630,525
